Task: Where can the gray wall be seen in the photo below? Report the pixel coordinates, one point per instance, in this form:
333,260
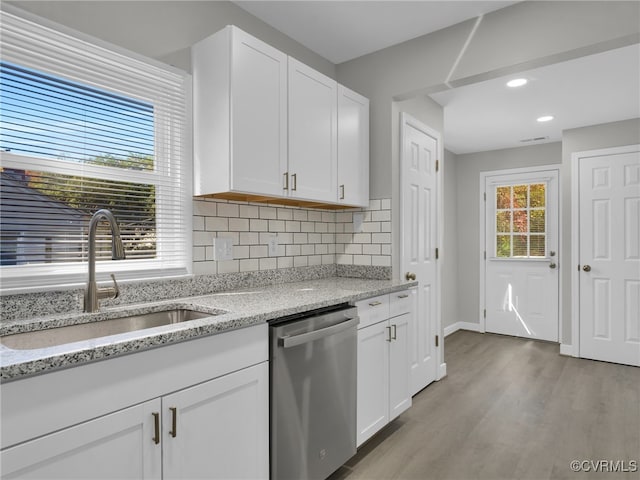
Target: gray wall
468,168
506,41
165,30
614,134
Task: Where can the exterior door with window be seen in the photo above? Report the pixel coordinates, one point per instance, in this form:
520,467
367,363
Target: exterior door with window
521,254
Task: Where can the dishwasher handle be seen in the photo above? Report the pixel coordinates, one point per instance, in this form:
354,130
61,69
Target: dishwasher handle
295,340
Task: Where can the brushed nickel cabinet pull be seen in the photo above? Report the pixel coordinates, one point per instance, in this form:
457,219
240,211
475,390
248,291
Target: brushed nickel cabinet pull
403,296
286,181
294,182
394,332
174,422
156,427
341,192
389,332
375,304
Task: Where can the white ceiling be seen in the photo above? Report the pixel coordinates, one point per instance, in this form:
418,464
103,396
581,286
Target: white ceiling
343,30
590,90
484,116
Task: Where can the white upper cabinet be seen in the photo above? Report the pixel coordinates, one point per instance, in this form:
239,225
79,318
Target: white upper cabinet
269,127
240,115
313,155
353,148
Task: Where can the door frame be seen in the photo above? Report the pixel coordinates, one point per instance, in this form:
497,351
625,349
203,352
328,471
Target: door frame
408,120
483,238
574,349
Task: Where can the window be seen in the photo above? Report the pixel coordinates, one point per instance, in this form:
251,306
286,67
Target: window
85,127
521,221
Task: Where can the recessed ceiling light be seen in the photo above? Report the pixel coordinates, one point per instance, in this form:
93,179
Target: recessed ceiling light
516,82
545,118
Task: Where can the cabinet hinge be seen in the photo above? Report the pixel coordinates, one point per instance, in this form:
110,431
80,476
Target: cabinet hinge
485,313
485,254
437,340
578,267
437,253
485,196
437,165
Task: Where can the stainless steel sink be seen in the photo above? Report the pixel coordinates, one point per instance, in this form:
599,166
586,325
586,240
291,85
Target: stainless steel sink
85,331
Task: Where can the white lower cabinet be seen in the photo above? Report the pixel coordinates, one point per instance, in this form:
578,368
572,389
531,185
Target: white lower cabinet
383,364
213,425
219,428
115,446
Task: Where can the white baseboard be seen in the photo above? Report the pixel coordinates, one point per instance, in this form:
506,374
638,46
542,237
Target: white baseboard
473,327
566,350
442,371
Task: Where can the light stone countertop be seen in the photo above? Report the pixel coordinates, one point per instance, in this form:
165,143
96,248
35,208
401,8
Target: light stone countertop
230,310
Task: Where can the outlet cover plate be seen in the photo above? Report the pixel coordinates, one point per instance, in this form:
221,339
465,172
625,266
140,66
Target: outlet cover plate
222,249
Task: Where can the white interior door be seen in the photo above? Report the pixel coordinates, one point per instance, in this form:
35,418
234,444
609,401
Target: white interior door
521,254
609,237
418,232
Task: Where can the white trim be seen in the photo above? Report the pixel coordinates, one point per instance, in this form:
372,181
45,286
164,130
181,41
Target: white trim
523,172
567,350
406,119
442,371
575,233
61,51
470,326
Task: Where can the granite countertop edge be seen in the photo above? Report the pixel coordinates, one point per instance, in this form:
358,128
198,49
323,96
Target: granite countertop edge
230,310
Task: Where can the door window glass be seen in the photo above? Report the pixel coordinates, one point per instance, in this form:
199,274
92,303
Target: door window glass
520,223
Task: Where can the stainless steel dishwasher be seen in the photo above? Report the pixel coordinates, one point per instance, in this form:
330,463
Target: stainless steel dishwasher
313,392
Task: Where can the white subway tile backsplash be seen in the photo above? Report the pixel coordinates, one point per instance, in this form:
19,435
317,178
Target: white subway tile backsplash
249,265
300,215
216,224
268,263
249,211
305,236
285,214
258,225
228,210
276,225
268,212
239,224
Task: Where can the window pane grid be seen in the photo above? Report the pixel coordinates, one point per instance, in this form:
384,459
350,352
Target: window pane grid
520,221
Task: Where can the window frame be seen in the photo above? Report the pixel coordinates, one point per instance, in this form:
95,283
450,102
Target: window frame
172,173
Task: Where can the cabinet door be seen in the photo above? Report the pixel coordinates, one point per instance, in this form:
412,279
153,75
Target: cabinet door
399,396
220,429
373,380
353,148
312,134
118,445
258,116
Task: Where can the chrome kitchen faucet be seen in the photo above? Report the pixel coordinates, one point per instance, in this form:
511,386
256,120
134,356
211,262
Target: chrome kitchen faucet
93,293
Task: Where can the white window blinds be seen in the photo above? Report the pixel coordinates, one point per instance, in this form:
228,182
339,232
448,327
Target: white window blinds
84,126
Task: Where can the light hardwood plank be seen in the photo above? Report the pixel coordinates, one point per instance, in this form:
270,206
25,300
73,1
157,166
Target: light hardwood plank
510,408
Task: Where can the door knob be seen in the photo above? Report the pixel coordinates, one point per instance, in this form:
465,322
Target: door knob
586,268
410,276
552,265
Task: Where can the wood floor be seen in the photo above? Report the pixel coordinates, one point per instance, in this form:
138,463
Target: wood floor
509,409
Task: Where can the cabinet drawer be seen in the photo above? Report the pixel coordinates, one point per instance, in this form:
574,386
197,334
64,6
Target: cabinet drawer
399,303
373,310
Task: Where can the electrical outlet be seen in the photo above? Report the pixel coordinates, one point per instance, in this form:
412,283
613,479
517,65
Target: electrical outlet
222,249
272,243
358,218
